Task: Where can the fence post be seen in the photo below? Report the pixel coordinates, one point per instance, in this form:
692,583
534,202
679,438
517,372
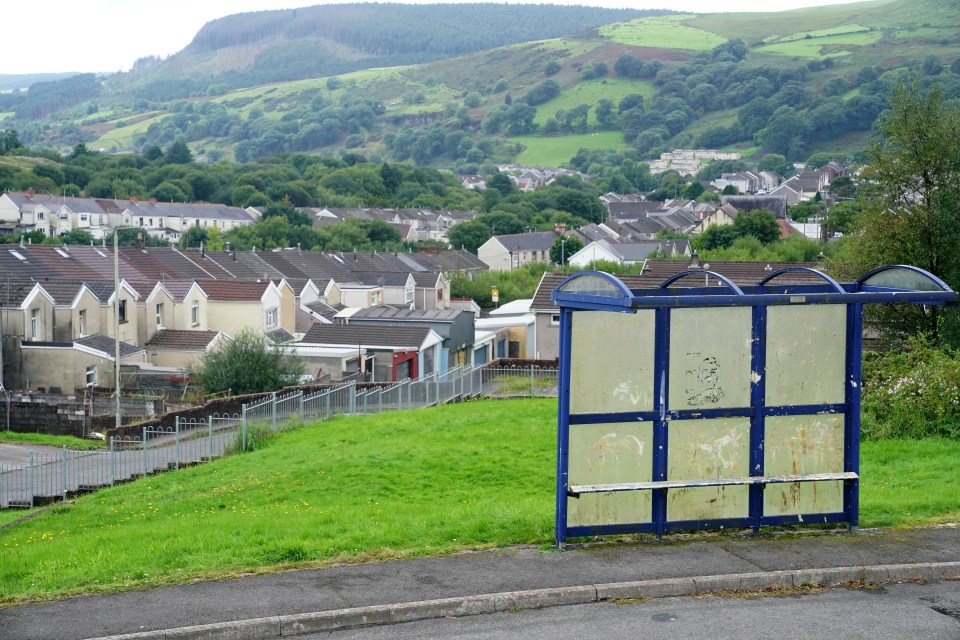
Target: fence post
65,472
532,395
210,437
273,412
30,481
176,463
243,430
145,452
303,414
353,397
113,464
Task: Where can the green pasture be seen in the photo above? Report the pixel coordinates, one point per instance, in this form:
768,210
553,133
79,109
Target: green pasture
818,33
555,151
590,92
814,47
665,32
125,137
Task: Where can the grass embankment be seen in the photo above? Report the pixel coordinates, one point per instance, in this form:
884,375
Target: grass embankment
400,484
12,437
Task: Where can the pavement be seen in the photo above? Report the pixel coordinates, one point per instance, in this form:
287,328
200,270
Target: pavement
309,601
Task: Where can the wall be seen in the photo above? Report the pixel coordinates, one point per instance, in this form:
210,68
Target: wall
68,415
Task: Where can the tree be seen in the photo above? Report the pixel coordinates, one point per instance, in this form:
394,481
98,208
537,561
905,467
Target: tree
179,153
502,183
76,236
759,223
564,247
911,201
468,235
774,162
247,364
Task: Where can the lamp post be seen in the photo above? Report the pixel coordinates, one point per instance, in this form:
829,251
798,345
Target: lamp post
116,325
563,251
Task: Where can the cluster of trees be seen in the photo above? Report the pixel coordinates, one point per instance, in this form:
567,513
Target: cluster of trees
45,98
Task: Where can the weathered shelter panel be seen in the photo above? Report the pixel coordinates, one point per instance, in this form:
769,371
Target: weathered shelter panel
692,407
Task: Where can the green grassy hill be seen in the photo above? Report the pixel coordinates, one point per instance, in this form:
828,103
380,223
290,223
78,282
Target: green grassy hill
326,113
360,488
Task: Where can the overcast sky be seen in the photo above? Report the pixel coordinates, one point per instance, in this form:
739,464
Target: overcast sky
42,36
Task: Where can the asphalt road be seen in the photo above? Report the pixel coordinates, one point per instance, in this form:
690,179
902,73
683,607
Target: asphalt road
892,612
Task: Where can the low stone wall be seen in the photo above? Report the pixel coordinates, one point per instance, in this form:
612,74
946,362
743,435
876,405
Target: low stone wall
69,415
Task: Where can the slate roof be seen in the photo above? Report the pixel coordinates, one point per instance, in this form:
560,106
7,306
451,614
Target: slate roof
368,336
13,293
443,261
382,278
426,279
182,340
325,310
107,345
233,290
745,204
536,241
385,312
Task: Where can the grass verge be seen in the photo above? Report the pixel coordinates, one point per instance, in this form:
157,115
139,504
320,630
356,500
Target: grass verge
354,489
12,437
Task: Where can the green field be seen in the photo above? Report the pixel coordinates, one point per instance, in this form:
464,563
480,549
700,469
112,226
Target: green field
401,484
813,47
818,33
590,92
124,138
664,32
555,151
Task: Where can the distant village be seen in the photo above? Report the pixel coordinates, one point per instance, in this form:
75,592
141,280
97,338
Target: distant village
69,312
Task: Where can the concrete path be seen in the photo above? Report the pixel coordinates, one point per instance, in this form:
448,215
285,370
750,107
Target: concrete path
266,606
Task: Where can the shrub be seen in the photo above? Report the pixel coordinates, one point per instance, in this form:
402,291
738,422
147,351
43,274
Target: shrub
913,392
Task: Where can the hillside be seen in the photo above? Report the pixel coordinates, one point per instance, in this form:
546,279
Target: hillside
752,82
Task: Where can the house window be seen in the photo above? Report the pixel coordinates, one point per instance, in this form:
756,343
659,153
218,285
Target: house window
82,322
39,215
35,324
408,295
83,217
159,315
271,317
195,312
91,376
555,320
123,311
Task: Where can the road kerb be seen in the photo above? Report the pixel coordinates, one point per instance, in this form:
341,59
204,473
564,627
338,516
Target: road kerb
314,622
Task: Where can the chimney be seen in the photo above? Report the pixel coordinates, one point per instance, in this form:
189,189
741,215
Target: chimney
140,242
31,192
153,201
134,199
202,253
560,228
695,261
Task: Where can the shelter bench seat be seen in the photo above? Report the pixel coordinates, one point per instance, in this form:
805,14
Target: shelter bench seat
576,490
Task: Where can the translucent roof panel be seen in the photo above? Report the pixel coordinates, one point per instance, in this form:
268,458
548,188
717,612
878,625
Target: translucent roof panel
903,277
594,283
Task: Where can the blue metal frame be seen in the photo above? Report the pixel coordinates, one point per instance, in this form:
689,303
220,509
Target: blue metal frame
572,296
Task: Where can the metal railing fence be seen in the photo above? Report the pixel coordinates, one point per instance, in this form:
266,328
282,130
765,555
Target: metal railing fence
56,474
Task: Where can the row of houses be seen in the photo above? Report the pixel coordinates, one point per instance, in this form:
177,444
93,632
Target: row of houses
65,316
56,215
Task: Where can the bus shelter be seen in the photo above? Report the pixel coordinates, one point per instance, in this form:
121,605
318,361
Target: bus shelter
691,407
